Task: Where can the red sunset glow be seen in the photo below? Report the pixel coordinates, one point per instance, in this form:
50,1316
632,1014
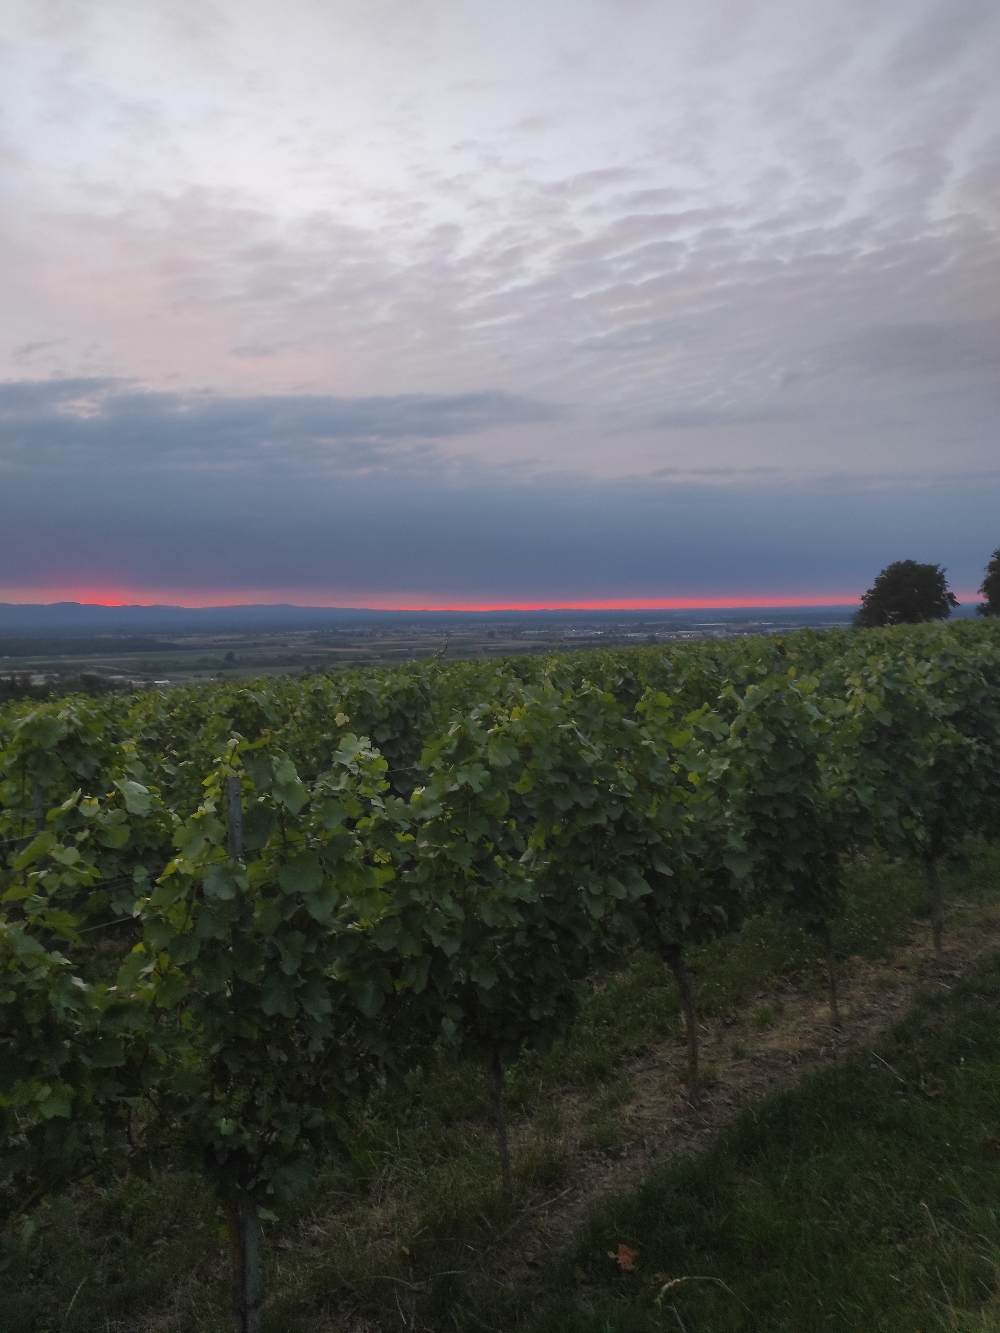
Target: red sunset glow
111,595
197,598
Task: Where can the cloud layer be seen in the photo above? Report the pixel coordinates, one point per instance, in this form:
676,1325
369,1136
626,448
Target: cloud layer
592,285
104,492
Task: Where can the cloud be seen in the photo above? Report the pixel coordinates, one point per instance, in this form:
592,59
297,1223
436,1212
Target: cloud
915,350
260,349
694,253
79,420
652,334
941,36
147,491
26,352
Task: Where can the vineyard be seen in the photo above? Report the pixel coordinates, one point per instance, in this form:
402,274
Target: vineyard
232,915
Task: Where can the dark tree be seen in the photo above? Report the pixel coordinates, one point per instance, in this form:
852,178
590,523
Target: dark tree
906,593
991,588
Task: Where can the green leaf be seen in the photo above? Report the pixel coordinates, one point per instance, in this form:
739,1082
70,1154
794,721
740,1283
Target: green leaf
113,835
66,856
333,814
258,766
501,752
56,1101
484,976
259,822
170,989
107,1053
25,946
35,850
292,795
368,997
285,771
277,997
291,946
45,732
184,948
137,797
315,1000
221,882
128,973
322,904
302,874
739,863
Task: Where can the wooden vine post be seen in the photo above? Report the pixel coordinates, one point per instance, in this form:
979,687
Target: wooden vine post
234,817
831,974
675,960
936,904
494,1084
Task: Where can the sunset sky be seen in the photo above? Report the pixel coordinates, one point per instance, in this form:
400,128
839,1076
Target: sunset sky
449,302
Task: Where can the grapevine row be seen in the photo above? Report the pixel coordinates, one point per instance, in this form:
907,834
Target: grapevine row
228,912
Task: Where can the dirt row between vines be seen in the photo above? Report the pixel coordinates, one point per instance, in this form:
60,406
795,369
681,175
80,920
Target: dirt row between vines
743,1064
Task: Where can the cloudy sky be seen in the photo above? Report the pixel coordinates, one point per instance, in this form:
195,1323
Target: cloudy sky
451,302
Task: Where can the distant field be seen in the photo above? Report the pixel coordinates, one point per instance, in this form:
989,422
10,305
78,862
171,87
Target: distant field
224,652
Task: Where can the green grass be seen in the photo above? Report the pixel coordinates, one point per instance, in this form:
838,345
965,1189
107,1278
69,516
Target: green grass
861,1200
868,1198
92,1259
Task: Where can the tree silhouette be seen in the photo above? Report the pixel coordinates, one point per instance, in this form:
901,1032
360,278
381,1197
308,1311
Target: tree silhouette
991,587
906,593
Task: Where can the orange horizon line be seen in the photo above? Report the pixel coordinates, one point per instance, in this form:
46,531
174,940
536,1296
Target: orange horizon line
707,603
596,604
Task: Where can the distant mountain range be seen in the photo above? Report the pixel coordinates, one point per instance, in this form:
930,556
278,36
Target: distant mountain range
79,618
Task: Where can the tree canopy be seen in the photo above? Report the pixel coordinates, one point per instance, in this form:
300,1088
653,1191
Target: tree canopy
906,593
990,587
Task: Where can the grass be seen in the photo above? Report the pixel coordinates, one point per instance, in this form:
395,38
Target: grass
868,1198
90,1260
861,1200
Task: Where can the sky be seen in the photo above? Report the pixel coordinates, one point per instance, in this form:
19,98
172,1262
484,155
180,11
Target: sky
451,303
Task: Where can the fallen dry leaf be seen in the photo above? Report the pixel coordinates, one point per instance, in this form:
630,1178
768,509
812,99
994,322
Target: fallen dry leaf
624,1257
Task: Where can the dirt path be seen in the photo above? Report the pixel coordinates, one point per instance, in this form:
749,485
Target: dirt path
743,1064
